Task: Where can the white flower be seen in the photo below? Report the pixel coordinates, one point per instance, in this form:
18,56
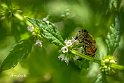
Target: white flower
76,57
61,57
30,28
64,49
64,58
38,43
74,41
46,20
68,43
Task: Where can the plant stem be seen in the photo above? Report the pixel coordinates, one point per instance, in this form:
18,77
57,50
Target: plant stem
115,66
85,56
119,67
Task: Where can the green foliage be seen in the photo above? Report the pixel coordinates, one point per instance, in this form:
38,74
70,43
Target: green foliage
82,63
19,52
113,37
8,12
48,31
99,78
100,17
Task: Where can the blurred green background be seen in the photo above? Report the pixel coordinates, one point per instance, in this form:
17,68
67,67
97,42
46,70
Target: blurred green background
42,64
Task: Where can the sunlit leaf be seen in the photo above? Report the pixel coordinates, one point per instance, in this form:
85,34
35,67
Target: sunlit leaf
19,52
48,30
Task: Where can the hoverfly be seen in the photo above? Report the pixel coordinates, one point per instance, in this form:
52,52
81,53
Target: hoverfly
89,44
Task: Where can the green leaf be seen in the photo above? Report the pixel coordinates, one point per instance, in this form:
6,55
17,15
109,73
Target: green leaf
48,31
113,37
19,52
82,63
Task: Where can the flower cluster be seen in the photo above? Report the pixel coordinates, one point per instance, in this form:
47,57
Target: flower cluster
30,28
65,49
62,57
35,32
106,63
38,43
68,44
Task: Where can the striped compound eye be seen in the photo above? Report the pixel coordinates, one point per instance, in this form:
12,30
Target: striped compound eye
88,42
